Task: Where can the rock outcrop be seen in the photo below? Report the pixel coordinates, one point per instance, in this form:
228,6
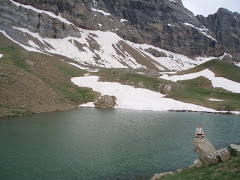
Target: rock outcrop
106,102
206,152
235,147
165,24
224,154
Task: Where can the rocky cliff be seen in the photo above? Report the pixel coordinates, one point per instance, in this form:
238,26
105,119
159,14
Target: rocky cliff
166,24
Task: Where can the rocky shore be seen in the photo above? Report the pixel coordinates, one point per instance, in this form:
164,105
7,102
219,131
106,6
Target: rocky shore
207,156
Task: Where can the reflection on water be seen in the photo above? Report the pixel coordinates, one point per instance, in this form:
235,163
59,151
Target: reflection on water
105,144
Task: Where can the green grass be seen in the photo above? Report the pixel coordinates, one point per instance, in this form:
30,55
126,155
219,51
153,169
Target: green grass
220,68
224,171
129,77
12,56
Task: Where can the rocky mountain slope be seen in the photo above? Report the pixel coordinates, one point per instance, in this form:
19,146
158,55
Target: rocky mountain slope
106,33
42,41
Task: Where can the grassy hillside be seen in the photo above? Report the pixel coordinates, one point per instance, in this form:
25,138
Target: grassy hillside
34,82
220,68
222,171
199,90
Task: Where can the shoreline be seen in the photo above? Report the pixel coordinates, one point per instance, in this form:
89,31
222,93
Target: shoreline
230,113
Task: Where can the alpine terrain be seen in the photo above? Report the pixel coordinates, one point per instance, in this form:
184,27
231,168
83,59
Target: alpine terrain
134,54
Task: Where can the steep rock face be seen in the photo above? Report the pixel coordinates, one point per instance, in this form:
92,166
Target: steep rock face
162,23
45,25
226,27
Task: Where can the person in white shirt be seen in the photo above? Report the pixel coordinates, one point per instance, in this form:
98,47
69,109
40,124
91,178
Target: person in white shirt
199,132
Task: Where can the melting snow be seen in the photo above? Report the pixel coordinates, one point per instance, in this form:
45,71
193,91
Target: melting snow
220,82
107,55
129,97
202,30
42,11
225,54
237,64
123,20
173,61
101,11
31,43
25,47
1,55
212,99
95,3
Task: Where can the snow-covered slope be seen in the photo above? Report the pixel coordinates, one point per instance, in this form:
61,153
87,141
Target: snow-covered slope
104,49
129,97
99,48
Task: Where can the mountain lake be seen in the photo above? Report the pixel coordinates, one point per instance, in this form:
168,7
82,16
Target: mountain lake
94,144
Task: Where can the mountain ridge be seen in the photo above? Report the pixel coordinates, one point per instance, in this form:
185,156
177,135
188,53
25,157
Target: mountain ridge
164,24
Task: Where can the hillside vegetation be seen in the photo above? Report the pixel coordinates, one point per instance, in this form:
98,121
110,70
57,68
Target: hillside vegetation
34,82
224,171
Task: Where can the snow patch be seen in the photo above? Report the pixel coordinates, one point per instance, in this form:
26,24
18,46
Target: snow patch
100,25
212,99
237,64
25,47
31,43
173,61
101,11
220,82
225,54
1,55
123,20
59,17
95,3
107,55
202,30
129,97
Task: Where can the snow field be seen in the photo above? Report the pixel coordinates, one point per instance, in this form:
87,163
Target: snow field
129,97
220,82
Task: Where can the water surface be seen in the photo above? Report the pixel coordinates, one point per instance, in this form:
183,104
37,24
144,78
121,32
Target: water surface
96,144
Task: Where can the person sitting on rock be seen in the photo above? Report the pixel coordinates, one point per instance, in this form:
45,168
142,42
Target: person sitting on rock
199,132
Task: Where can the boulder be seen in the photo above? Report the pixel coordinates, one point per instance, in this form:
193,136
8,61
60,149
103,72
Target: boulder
198,163
227,59
106,102
235,147
206,151
167,89
224,154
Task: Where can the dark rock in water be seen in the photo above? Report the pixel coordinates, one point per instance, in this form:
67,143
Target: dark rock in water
206,151
106,102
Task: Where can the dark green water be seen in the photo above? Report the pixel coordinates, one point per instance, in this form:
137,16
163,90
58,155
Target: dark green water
105,144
